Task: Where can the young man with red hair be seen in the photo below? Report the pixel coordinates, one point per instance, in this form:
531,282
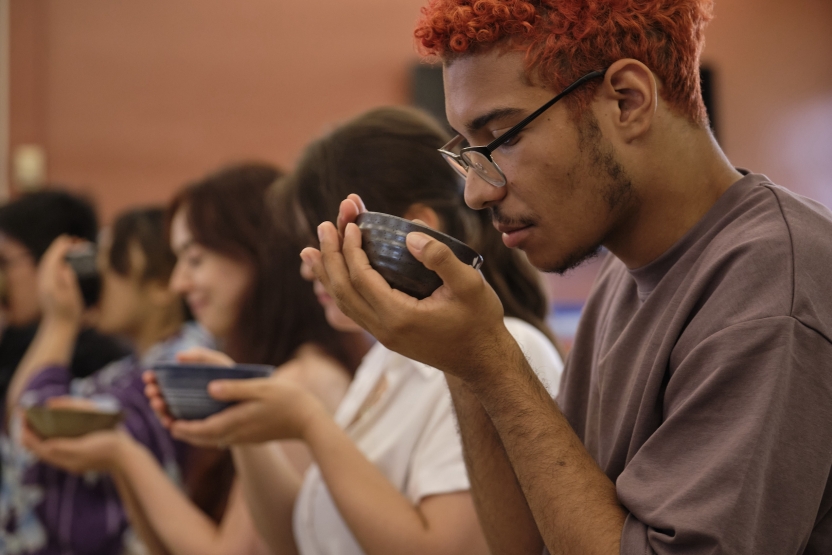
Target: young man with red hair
695,412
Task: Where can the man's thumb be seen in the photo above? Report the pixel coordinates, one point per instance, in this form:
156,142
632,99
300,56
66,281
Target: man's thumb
437,257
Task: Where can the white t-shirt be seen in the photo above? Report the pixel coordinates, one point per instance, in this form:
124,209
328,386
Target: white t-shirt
408,431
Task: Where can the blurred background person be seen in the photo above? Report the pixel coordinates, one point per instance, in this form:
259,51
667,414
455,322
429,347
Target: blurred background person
28,226
44,509
132,119
239,275
388,473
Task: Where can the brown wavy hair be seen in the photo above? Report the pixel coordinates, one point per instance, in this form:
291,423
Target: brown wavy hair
227,213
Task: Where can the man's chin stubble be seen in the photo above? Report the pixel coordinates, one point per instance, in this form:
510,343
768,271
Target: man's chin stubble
572,261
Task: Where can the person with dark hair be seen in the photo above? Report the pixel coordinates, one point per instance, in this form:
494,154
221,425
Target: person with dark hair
28,225
44,509
389,475
239,275
694,414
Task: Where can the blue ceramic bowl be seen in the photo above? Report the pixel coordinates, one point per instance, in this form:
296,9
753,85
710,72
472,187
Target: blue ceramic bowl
383,239
185,386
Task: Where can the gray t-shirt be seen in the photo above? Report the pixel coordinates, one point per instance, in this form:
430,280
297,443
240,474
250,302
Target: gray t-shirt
702,382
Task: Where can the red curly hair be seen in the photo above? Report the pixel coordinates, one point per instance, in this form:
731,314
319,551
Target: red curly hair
564,39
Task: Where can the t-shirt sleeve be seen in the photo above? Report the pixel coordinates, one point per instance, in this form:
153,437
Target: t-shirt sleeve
741,458
437,465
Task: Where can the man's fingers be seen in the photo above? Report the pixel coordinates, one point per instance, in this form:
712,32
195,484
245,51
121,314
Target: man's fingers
335,277
358,202
438,257
348,211
368,282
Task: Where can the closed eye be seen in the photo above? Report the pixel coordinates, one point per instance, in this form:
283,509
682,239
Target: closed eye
511,142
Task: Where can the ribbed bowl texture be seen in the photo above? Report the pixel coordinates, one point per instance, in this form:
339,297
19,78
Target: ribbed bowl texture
383,239
185,386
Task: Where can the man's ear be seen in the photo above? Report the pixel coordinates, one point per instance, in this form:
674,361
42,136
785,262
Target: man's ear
425,214
632,90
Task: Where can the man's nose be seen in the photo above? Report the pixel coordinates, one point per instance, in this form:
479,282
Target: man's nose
480,194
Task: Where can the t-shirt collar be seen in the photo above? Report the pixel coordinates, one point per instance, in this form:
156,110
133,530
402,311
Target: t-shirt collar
648,276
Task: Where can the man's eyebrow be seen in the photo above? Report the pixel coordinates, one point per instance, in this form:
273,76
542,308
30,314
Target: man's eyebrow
479,122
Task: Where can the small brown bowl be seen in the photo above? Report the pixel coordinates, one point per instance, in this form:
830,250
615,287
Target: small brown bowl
383,239
70,422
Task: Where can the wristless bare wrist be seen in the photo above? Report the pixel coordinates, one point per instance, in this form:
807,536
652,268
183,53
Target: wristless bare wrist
497,361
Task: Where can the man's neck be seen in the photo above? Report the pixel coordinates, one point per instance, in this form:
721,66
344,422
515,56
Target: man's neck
687,178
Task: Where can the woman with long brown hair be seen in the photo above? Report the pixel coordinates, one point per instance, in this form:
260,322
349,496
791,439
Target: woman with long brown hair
239,276
389,475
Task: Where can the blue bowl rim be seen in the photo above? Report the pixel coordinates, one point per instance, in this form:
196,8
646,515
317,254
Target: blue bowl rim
265,369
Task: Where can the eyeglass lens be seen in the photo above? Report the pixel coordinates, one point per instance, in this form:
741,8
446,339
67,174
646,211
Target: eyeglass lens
484,167
454,163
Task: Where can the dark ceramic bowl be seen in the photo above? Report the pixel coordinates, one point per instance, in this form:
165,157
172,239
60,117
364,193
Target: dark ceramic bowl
383,239
70,422
185,386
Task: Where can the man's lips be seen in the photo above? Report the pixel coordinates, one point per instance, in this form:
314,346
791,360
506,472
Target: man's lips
509,229
514,235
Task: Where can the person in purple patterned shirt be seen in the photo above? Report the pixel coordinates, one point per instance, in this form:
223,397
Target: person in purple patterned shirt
46,510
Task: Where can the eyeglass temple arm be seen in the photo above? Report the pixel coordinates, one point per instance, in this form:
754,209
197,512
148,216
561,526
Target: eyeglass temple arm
493,145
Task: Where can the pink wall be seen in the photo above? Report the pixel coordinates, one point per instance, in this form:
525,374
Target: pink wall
774,64
132,99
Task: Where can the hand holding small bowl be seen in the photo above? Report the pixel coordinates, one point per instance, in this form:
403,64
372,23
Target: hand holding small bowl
266,409
78,438
459,328
183,386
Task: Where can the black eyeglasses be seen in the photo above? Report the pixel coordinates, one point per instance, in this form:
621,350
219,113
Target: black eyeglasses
479,158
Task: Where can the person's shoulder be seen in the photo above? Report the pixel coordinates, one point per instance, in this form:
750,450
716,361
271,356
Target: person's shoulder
542,355
524,332
808,222
809,227
769,256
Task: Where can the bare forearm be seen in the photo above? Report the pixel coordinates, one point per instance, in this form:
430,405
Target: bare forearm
136,516
573,502
179,524
379,516
270,487
53,344
506,519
